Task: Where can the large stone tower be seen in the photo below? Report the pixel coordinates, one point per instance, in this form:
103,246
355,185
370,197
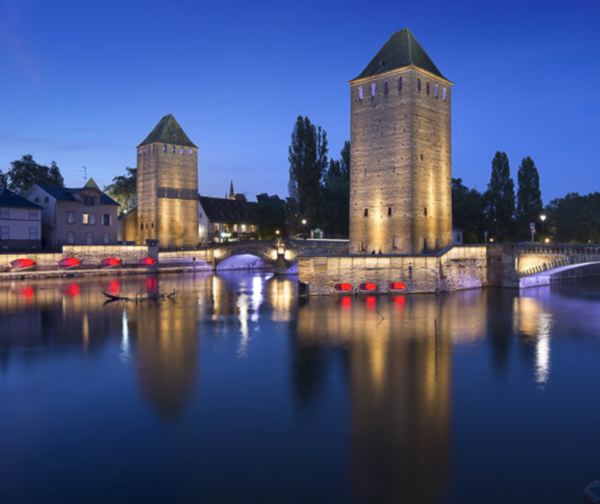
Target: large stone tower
167,187
400,186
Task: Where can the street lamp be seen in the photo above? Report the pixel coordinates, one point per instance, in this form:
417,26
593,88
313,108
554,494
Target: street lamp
543,218
304,222
277,232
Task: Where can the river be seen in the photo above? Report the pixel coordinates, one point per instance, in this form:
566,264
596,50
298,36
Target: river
235,390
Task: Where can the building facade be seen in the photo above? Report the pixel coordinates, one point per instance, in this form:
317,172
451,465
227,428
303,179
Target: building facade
20,222
75,216
167,187
226,219
400,183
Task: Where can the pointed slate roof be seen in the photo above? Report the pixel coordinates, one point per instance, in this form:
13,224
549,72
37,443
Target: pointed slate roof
168,131
401,50
91,184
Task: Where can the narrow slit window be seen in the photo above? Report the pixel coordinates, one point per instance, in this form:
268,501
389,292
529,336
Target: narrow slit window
419,84
373,89
444,94
427,88
386,88
389,211
366,212
425,211
400,85
360,93
436,91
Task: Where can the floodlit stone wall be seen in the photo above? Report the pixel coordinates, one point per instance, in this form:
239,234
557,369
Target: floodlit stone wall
400,187
459,268
94,254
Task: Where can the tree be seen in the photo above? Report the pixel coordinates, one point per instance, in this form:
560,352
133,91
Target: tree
307,155
270,216
25,173
468,206
574,218
529,197
3,180
500,199
124,189
336,195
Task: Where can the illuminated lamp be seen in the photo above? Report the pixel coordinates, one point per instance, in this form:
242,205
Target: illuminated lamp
148,261
368,287
397,286
69,262
22,264
110,262
343,287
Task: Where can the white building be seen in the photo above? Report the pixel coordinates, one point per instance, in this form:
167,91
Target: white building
20,222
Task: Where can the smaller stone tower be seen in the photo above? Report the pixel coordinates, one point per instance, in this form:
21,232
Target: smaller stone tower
167,187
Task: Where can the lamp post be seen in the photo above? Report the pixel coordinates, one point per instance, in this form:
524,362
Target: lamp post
304,227
543,219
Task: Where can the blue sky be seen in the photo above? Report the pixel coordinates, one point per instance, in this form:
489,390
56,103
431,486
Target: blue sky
84,82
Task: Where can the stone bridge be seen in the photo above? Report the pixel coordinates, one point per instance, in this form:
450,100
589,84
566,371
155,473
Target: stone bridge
541,264
282,253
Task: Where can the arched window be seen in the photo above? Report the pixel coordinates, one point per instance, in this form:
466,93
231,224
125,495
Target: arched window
386,88
373,89
399,85
360,93
419,84
436,91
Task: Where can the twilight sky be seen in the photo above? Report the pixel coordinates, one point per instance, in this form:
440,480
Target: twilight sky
82,83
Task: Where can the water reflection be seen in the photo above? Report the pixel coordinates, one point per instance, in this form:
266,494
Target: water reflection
243,345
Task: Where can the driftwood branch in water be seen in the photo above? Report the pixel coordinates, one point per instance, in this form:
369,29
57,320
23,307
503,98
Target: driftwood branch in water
153,297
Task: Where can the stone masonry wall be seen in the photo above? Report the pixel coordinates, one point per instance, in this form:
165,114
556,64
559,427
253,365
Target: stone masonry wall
400,176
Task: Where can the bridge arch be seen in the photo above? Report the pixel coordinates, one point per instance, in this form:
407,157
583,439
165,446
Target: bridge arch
243,260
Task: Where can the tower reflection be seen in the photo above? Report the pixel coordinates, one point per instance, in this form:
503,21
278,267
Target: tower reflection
398,352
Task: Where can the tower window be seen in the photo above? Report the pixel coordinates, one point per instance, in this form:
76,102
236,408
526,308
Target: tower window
444,94
173,149
164,148
386,88
181,151
366,212
399,85
421,157
191,151
425,211
373,89
360,93
419,84
427,88
389,211
436,91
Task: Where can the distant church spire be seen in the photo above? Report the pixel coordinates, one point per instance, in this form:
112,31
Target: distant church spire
231,191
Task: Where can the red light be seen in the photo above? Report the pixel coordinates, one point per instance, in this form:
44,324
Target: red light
28,292
346,302
371,301
69,262
397,286
148,261
114,287
343,287
368,287
151,285
72,290
22,264
110,262
399,300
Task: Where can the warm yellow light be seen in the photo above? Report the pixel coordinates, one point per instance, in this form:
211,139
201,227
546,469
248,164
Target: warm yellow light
546,240
277,232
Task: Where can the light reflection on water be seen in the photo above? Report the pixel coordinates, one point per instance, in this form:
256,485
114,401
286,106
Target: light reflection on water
401,398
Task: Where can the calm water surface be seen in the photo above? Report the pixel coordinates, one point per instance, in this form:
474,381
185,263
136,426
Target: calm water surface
234,391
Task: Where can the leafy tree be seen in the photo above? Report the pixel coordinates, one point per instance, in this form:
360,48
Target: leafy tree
529,196
574,218
500,199
307,155
123,189
25,173
468,206
336,195
3,180
270,213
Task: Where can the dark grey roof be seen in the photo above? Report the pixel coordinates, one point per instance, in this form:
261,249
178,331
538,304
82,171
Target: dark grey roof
13,200
168,131
401,50
68,193
227,210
